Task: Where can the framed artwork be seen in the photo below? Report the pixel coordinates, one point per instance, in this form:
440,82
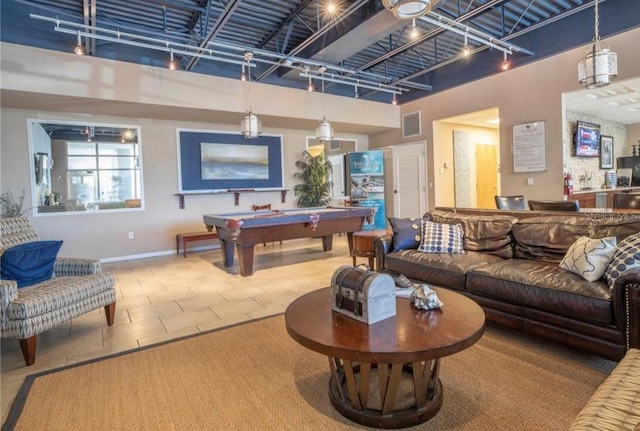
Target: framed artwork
222,161
606,152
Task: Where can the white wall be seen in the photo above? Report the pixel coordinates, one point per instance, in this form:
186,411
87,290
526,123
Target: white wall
525,94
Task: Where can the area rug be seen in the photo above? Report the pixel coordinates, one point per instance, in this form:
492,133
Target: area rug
253,376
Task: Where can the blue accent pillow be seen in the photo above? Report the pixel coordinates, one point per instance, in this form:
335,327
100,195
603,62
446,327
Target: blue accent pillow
406,233
29,263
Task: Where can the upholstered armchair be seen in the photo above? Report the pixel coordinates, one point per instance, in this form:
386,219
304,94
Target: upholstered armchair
78,286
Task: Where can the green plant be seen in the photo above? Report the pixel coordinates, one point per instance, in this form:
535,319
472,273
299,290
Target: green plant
315,188
11,207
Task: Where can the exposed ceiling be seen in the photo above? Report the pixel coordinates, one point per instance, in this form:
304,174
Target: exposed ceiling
361,45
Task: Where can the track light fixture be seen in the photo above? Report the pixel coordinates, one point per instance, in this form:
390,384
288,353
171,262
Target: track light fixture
394,101
79,49
506,64
466,50
599,64
413,31
173,64
243,75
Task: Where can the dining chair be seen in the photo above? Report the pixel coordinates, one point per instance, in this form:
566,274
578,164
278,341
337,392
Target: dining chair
626,200
554,205
515,203
265,207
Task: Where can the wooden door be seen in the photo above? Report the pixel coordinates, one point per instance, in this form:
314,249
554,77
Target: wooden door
486,175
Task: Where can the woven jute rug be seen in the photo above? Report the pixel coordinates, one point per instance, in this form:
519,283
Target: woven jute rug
253,376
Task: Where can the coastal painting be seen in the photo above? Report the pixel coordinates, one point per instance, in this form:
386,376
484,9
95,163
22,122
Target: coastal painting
234,161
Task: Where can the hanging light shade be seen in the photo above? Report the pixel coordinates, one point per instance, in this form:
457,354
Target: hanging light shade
250,126
324,131
599,64
409,9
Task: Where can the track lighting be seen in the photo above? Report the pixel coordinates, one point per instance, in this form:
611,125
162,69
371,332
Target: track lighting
173,65
466,50
243,75
394,101
79,49
413,32
506,64
310,85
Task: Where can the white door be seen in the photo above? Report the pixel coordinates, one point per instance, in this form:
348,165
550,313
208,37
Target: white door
337,176
409,186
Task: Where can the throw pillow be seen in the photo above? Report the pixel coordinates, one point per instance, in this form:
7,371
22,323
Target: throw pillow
406,233
29,263
626,258
589,258
441,238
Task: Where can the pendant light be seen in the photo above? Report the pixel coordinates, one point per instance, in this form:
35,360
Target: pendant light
250,125
324,131
599,64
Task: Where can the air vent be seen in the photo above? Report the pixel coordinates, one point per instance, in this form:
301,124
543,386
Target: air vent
411,124
335,145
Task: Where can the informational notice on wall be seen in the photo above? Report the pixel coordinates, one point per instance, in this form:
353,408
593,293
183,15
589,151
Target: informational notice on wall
529,153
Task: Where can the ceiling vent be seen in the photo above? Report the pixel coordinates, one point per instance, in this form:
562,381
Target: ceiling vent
411,124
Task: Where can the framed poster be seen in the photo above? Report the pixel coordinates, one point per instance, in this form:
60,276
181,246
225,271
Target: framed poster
529,151
606,152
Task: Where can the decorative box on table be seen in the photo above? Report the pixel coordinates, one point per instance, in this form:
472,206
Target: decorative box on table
366,296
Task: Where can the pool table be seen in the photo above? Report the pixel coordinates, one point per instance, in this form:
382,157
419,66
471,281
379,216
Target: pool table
245,230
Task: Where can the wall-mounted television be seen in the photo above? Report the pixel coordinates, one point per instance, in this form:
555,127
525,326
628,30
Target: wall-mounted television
587,139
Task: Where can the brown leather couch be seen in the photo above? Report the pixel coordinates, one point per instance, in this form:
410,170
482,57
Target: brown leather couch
511,268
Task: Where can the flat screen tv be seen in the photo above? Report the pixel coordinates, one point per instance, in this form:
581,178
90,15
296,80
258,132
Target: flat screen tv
587,141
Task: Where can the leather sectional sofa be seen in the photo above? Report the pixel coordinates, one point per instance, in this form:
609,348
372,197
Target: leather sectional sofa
510,267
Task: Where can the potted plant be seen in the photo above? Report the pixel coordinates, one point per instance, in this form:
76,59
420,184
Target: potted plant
315,189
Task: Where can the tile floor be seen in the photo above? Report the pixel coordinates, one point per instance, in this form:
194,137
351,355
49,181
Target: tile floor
168,297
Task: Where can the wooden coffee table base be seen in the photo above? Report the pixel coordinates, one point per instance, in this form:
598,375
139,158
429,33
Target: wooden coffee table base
354,403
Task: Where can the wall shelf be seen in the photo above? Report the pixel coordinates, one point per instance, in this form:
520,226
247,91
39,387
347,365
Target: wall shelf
236,194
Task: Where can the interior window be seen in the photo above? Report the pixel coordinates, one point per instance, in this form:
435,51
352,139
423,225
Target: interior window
86,167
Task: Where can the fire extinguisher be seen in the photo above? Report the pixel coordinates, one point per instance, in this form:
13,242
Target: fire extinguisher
568,184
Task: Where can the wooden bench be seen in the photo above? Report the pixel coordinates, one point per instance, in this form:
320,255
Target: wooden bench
185,238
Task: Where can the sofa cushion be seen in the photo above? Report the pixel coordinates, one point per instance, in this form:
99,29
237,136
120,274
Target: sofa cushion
549,238
589,258
485,233
441,238
625,258
545,286
29,263
442,269
406,233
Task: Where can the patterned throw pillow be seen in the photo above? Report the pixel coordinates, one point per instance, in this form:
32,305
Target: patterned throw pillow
589,258
406,233
626,258
441,238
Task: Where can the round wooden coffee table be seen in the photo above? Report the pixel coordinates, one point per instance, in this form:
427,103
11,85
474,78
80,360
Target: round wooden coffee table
409,344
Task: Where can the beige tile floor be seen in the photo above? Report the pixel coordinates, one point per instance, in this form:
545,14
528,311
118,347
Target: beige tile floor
169,297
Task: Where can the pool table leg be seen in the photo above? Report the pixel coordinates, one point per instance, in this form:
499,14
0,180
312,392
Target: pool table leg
327,242
245,259
227,252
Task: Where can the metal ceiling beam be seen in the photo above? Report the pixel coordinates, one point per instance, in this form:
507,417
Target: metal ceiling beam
321,32
215,29
284,22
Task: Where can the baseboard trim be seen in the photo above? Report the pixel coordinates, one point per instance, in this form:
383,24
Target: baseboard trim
156,254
